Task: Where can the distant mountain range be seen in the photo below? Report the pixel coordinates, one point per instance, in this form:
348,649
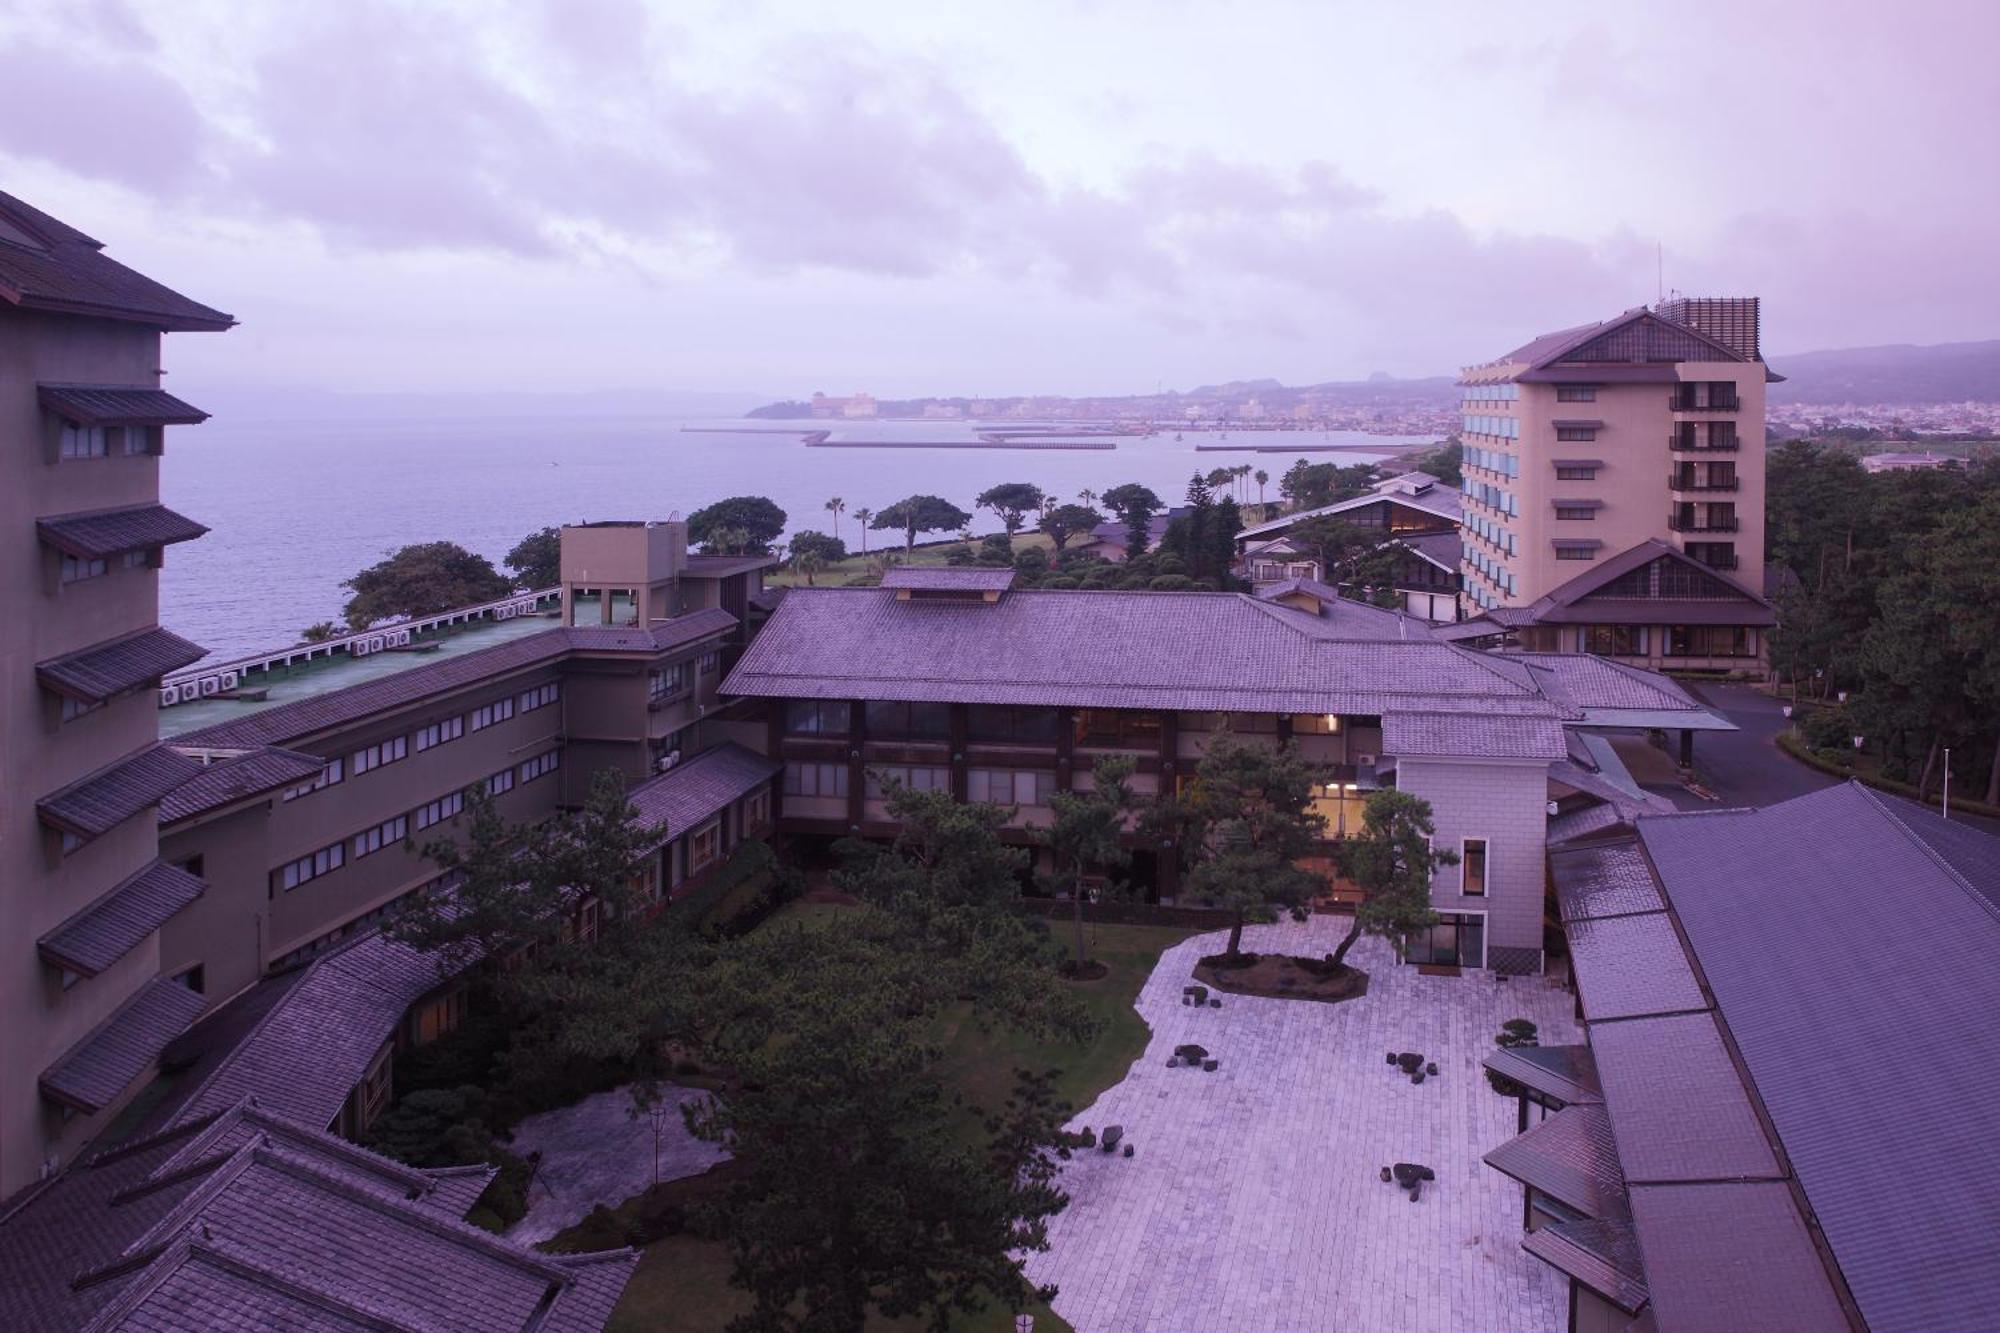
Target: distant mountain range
1898,373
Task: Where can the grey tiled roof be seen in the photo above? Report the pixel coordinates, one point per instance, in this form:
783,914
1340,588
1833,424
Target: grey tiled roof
968,578
1441,500
1740,1257
111,796
66,271
226,780
291,722
1462,735
308,1051
1571,1156
1888,940
722,566
1352,619
108,669
1585,819
245,1221
1631,966
120,921
683,797
103,533
1590,682
1602,1253
114,405
1680,1110
91,1074
1607,879
1221,652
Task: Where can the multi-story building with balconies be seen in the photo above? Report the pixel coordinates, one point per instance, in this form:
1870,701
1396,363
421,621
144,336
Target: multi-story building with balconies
1622,462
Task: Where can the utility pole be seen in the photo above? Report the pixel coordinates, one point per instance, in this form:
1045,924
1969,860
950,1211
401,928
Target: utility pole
1947,782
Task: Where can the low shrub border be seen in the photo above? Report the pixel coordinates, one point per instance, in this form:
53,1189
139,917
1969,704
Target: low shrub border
1797,749
1133,914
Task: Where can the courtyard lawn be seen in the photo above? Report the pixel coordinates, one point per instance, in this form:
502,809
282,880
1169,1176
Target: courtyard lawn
682,1282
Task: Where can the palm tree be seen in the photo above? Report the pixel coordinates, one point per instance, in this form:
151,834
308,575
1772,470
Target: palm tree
836,506
862,516
808,563
1262,477
1086,497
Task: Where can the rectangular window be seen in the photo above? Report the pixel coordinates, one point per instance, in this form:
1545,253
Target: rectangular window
1472,866
1575,472
1613,640
1576,393
815,779
1708,641
334,772
443,808
1010,786
500,782
83,441
540,766
539,697
488,714
1576,513
899,721
385,752
668,682
76,571
704,846
1457,940
1002,724
710,663
1576,434
1108,728
385,834
437,733
917,778
1575,552
309,867
1316,724
72,709
142,559
816,717
757,810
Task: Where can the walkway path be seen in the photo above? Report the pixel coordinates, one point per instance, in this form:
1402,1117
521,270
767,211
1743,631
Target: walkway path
1254,1201
597,1152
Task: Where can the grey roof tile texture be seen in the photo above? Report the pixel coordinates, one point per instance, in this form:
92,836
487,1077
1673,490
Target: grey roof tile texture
1631,967
1570,1155
225,781
67,271
968,578
1220,652
114,405
1739,1257
1679,1108
292,722
1604,880
1415,735
1888,946
103,533
91,1074
678,800
120,921
107,798
122,664
306,1054
1567,1073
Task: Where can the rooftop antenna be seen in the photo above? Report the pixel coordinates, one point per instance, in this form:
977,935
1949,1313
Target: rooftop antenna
1660,270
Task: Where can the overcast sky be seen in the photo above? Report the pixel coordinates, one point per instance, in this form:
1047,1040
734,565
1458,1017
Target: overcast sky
1001,198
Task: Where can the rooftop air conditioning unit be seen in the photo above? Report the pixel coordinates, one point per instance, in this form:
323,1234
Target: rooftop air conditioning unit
1552,809
667,761
1364,761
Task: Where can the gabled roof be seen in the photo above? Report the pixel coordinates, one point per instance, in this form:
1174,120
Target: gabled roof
1349,619
681,798
103,533
111,405
1579,601
108,669
120,921
48,265
1637,336
246,1220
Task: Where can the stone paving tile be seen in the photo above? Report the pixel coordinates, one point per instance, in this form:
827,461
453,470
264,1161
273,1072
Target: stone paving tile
597,1152
1254,1200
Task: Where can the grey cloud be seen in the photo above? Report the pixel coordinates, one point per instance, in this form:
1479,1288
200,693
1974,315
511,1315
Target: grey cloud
116,120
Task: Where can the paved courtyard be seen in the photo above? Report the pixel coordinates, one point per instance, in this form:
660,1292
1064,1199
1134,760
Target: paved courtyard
597,1152
1254,1199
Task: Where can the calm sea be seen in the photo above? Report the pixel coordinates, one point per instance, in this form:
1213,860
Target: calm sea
296,507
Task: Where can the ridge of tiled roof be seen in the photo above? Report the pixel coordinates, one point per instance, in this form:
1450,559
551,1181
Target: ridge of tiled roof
683,796
64,271
1967,855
